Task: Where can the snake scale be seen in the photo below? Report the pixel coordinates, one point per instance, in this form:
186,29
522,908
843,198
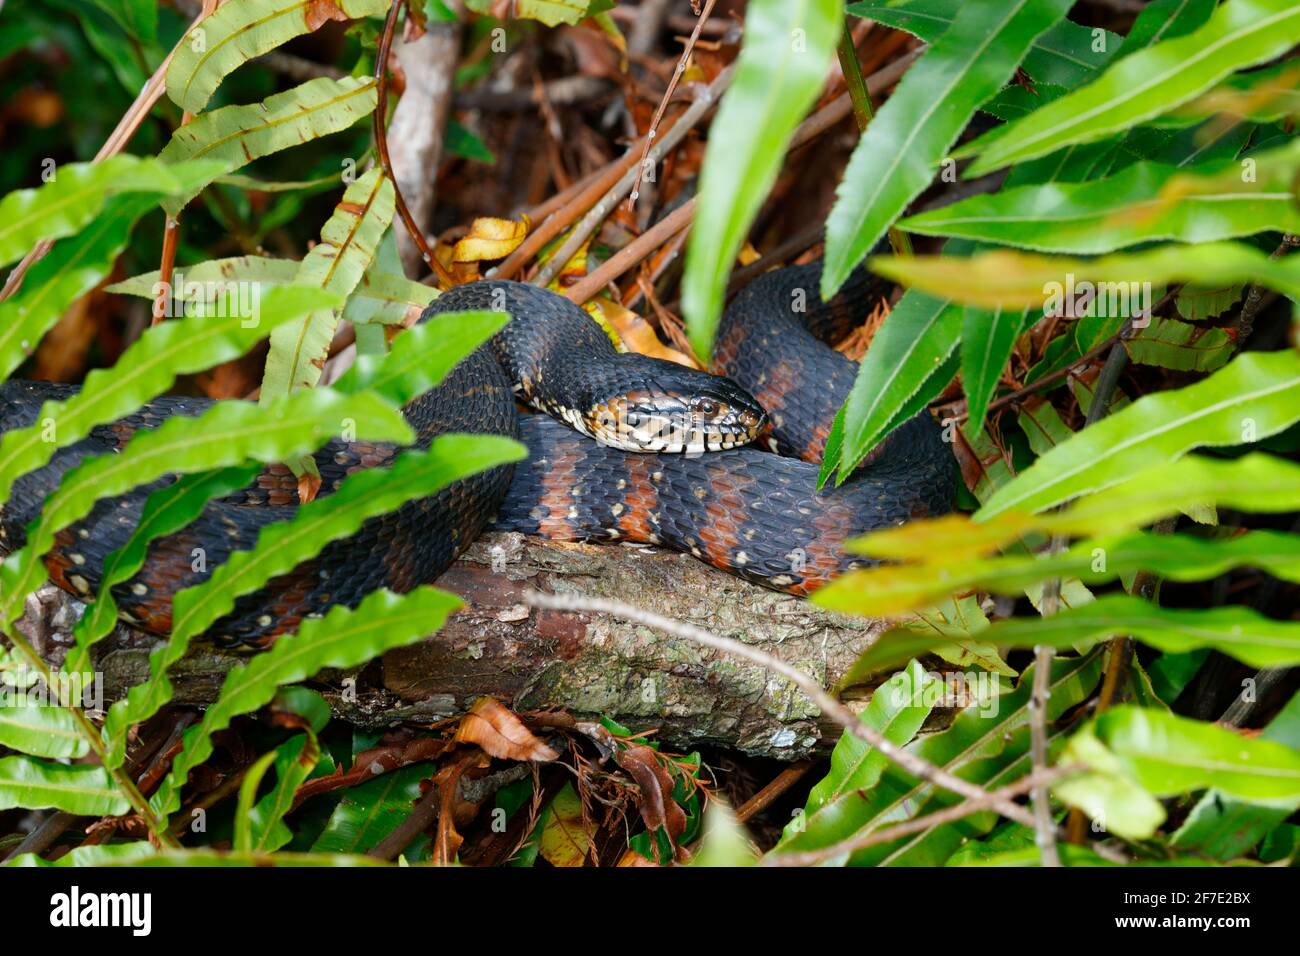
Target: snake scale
673,466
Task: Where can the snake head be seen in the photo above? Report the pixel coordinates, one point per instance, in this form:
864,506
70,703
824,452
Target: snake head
678,410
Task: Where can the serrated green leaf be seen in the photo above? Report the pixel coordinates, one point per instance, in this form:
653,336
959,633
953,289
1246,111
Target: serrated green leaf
890,590
238,135
1256,483
1066,55
1236,631
1169,674
137,17
1260,96
782,66
342,638
1024,280
40,730
74,197
283,546
421,356
201,281
915,339
961,620
1241,33
896,158
252,184
987,744
1165,20
1043,427
369,812
1225,828
384,295
1197,302
237,32
1180,345
897,709
1142,203
1252,397
387,293
80,788
987,340
148,368
243,838
72,268
134,855
295,759
105,854
1165,754
1107,793
336,263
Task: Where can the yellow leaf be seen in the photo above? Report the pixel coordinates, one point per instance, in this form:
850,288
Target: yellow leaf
636,333
490,239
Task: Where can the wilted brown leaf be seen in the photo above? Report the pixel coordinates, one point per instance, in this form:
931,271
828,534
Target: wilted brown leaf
318,12
658,809
499,732
452,808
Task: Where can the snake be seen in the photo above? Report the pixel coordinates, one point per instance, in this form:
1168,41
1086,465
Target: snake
621,447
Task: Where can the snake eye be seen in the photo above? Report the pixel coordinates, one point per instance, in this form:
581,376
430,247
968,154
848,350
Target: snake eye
707,407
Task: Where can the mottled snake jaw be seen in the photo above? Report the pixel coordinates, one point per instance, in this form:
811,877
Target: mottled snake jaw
668,424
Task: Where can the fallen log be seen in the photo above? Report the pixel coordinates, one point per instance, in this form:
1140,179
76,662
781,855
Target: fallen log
532,659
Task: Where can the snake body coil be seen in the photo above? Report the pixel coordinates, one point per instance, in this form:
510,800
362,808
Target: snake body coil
748,511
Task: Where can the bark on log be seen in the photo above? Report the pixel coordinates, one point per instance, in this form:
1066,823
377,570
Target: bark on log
588,664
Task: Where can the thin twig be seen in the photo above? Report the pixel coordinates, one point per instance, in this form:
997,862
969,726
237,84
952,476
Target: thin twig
167,265
631,254
783,781
1245,323
680,218
561,210
596,215
419,820
913,764
1040,800
668,95
381,145
1240,709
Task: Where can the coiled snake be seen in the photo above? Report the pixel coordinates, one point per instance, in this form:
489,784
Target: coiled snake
752,512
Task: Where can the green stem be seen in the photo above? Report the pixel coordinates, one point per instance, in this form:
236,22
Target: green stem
95,740
863,111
